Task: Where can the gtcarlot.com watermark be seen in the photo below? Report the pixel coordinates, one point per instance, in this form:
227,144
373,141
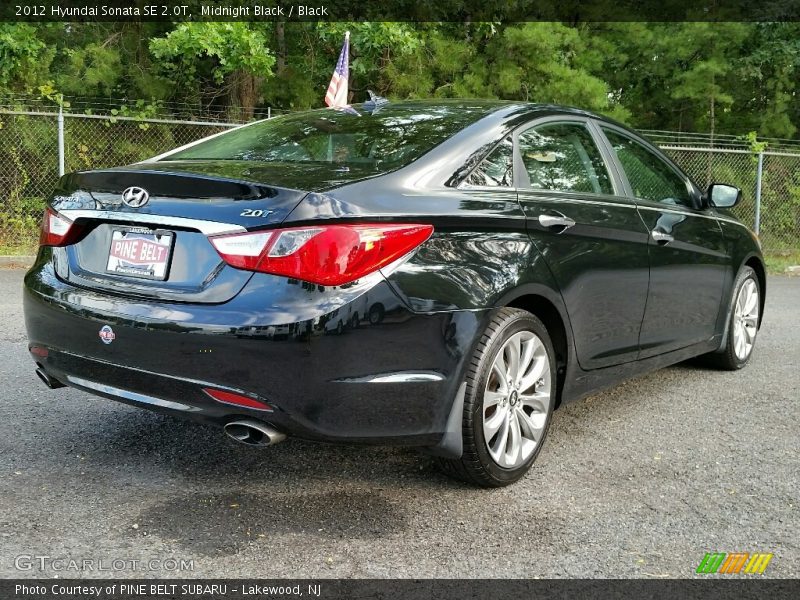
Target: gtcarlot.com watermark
60,564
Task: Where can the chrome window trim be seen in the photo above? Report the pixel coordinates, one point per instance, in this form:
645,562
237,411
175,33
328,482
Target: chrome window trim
677,212
585,197
632,203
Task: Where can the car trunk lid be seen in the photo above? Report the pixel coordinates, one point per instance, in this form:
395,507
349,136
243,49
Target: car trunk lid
124,247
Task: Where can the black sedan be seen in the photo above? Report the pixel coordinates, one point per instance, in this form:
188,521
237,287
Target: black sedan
432,274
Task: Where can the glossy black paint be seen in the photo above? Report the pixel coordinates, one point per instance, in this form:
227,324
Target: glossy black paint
608,243
278,340
696,260
380,360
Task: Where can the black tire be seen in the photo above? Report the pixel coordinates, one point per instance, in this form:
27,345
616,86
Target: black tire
726,358
376,313
476,465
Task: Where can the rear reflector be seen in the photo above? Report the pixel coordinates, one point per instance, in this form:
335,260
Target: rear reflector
325,254
236,399
57,230
39,351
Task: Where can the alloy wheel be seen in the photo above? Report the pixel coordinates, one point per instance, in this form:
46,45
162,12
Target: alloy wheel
516,400
745,319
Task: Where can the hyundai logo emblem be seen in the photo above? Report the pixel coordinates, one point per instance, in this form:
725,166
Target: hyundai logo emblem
135,197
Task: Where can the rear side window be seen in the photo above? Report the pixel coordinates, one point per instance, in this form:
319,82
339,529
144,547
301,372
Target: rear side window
564,157
649,176
496,169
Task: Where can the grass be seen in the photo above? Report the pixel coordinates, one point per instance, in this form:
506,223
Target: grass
778,260
7,249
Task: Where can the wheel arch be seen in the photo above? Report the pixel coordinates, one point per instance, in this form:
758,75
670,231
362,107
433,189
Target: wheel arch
755,263
545,305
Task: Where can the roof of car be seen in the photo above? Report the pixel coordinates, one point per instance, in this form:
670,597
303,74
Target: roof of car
483,108
474,104
485,123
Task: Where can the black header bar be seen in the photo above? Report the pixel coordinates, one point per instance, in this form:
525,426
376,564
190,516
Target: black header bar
569,11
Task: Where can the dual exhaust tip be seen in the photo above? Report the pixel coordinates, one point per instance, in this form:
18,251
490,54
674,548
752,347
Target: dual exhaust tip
245,431
253,433
50,382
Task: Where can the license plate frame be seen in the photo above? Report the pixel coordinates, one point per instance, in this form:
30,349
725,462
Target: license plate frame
147,254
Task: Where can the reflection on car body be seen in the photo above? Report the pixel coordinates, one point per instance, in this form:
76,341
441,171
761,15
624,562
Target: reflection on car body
482,263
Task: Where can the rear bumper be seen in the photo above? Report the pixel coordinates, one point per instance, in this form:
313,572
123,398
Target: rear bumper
335,365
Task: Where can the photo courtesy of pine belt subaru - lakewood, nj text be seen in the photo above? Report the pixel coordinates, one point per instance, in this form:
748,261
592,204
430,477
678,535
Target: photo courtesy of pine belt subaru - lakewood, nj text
432,274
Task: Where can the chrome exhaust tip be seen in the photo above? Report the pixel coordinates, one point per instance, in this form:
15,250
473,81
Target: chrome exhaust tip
50,382
253,433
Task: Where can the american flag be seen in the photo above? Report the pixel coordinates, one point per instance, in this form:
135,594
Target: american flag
337,88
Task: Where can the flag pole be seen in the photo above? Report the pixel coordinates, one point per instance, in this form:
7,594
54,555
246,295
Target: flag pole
337,94
347,42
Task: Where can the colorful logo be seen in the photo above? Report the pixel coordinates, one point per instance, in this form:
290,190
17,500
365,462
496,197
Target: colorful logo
733,562
107,334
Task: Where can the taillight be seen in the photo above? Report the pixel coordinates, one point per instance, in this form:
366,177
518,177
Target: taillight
57,230
324,254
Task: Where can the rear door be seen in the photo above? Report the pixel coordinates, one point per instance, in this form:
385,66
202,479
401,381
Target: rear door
688,260
593,240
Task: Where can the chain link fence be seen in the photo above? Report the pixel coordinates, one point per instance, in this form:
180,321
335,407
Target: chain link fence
30,161
734,166
30,158
770,182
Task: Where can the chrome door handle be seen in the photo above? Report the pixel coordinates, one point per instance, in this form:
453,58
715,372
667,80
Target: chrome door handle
556,221
661,237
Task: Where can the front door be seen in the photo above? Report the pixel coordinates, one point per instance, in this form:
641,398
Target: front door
688,260
593,241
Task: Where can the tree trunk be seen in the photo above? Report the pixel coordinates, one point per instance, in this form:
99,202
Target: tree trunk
280,38
243,95
384,85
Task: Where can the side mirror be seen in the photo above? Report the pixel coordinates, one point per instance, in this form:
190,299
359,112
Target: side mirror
721,195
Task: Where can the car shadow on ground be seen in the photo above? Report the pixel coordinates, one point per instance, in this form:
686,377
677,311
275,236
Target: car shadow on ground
210,495
127,438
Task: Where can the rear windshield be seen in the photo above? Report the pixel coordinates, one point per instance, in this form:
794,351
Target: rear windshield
390,138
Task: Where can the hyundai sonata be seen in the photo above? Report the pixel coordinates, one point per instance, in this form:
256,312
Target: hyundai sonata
432,274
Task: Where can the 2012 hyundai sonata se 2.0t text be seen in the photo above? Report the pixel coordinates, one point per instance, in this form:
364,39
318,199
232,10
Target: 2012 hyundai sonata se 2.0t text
431,274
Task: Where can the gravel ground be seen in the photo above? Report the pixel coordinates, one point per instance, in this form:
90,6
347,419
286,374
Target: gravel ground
638,481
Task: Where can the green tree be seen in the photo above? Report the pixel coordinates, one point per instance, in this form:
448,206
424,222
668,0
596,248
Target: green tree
24,58
721,77
235,56
705,58
374,48
534,62
770,70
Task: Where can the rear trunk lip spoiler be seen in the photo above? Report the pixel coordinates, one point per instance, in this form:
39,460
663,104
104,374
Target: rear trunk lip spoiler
203,226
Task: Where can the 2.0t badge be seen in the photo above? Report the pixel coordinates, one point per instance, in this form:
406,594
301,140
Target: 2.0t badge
107,334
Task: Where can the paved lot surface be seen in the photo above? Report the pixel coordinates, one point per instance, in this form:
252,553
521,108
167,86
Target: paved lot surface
639,481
